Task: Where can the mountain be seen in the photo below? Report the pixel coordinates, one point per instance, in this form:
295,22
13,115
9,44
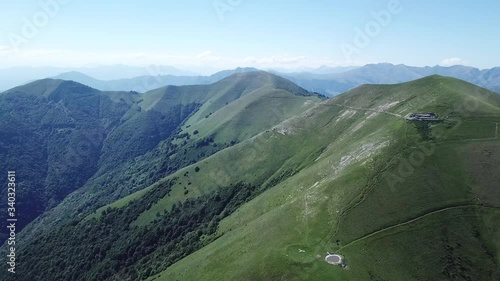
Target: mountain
397,199
120,71
148,82
51,133
329,81
14,76
141,84
323,69
64,137
85,80
225,73
332,84
490,79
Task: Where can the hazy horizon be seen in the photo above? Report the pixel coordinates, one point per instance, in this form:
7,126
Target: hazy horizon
207,36
194,72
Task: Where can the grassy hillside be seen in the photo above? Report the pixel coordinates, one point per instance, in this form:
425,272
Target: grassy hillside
236,107
88,148
398,207
400,200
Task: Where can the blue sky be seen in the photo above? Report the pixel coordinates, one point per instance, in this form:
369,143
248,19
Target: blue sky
217,34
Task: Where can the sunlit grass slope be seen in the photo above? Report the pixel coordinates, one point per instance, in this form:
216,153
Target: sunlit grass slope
400,201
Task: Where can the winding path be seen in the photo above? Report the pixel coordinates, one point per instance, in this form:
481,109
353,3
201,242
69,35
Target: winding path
413,220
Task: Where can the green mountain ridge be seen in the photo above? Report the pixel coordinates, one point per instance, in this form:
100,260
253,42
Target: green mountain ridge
368,196
398,199
77,129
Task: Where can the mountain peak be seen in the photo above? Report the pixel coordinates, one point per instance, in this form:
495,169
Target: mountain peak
49,87
260,78
70,74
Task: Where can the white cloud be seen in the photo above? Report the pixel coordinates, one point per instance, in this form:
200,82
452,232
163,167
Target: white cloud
207,55
4,48
204,54
454,61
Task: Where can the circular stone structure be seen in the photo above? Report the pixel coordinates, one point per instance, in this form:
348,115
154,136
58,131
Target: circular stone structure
334,259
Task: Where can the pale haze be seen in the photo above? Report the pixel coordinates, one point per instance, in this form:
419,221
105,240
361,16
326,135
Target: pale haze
207,36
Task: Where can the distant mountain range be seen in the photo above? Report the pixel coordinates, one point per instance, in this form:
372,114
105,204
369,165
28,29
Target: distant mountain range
386,73
328,81
339,80
148,82
15,76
